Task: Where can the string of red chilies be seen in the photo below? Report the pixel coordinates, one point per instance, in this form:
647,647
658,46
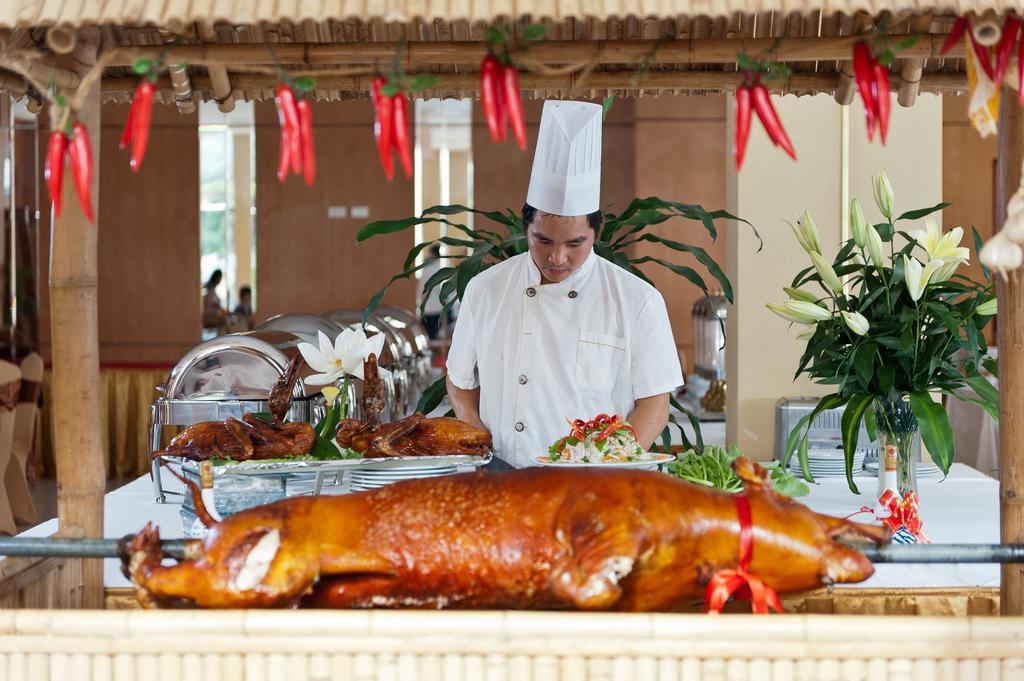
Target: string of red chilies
752,95
872,79
1003,52
391,127
295,117
70,146
500,98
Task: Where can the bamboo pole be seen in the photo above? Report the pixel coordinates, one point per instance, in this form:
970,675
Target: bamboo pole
78,440
1010,321
463,53
468,83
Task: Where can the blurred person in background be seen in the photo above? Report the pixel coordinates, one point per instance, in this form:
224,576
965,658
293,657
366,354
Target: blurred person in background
432,310
243,310
215,317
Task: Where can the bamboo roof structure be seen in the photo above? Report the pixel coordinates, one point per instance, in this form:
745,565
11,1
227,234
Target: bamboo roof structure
234,50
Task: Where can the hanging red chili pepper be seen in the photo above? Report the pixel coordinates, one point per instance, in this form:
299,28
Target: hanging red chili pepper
513,103
882,99
139,117
765,110
54,173
126,134
305,112
383,125
863,73
959,26
284,159
1005,48
490,97
401,130
285,98
742,132
984,58
80,154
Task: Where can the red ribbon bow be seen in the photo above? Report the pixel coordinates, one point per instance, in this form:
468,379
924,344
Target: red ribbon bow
903,513
738,582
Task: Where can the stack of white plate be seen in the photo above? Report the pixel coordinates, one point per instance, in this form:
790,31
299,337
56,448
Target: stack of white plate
828,463
368,478
926,470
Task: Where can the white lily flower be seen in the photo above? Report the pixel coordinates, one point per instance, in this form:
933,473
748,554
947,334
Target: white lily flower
884,198
827,274
857,322
938,245
988,308
800,294
916,277
800,311
947,270
344,357
858,225
874,246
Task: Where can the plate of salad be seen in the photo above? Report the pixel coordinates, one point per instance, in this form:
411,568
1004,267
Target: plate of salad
603,441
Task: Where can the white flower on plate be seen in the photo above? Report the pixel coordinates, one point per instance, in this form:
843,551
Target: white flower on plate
344,357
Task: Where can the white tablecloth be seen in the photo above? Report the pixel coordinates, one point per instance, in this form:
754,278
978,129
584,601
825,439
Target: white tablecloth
962,509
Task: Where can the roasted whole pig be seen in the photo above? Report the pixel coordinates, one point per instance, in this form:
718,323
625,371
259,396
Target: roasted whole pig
251,437
535,538
414,435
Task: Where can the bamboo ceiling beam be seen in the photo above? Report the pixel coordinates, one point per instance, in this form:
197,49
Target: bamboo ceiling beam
422,53
182,86
219,79
721,81
910,72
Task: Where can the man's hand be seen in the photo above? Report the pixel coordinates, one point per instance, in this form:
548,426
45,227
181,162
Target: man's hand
466,404
649,418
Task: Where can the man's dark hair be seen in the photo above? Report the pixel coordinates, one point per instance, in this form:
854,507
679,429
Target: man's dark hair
245,290
594,220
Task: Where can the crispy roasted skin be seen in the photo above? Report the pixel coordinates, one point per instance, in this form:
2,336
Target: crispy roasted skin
535,538
251,437
414,435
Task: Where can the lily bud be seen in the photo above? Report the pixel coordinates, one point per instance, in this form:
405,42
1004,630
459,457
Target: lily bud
330,394
948,269
808,240
800,294
858,225
827,274
988,308
884,198
810,231
800,311
807,333
857,322
874,246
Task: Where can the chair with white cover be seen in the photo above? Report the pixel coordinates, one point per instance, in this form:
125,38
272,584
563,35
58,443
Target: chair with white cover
10,387
15,478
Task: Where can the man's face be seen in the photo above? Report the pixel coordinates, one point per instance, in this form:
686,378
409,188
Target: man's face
559,245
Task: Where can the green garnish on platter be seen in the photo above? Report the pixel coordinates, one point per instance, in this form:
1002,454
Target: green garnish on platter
713,467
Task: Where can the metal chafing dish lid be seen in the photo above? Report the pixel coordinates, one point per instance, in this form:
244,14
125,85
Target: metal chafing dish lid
305,326
238,366
408,324
396,347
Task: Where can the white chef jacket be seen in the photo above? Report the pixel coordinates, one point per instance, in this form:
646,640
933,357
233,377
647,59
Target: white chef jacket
544,355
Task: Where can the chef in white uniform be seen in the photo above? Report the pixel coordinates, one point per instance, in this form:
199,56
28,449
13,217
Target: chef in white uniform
560,333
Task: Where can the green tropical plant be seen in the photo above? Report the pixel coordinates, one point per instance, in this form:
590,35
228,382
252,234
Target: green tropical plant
486,247
895,330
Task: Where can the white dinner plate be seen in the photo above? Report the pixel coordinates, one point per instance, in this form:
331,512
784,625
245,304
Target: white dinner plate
652,463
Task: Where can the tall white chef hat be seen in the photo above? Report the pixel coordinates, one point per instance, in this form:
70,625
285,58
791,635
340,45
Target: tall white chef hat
566,177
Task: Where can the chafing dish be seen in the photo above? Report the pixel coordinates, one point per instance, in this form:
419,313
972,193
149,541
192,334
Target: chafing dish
409,325
230,376
305,326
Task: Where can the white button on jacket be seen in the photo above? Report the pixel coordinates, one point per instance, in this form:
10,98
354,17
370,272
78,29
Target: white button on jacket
597,351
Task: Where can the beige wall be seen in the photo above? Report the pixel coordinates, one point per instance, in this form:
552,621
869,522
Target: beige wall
148,242
763,352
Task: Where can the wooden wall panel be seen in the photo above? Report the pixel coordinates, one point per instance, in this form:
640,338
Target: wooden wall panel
681,156
306,262
149,287
968,181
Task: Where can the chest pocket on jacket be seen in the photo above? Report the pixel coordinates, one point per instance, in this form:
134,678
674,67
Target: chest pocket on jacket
598,360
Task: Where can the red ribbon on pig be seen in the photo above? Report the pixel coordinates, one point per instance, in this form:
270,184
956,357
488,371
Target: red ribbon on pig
739,582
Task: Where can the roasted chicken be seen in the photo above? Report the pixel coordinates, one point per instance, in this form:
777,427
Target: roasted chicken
251,437
414,435
535,538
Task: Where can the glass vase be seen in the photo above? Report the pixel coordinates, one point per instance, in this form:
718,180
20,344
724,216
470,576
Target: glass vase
899,437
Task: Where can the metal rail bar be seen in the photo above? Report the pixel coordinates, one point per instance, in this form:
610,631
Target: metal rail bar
175,548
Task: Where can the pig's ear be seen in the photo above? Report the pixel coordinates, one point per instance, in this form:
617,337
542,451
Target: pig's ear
751,473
